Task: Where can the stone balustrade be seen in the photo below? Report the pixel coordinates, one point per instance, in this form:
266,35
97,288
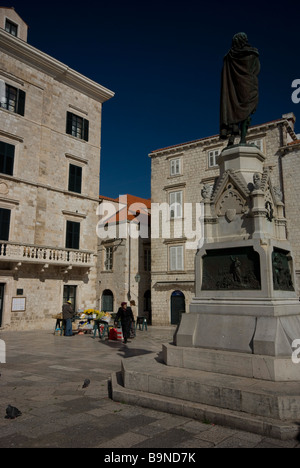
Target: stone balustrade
17,252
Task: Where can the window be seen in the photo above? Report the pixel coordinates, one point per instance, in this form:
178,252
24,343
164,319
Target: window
75,177
108,264
212,158
107,301
11,27
147,260
175,204
4,224
7,154
13,99
70,295
72,235
258,143
77,126
176,258
175,168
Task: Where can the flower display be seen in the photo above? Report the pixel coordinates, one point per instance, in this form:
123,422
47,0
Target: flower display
96,314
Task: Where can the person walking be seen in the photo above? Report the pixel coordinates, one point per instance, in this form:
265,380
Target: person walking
67,315
125,315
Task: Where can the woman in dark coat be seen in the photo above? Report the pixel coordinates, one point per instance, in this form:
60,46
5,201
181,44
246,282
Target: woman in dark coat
125,315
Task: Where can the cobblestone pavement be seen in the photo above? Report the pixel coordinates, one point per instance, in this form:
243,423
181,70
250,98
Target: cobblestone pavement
43,377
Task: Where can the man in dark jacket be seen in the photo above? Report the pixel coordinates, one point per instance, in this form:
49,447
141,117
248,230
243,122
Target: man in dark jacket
67,315
125,315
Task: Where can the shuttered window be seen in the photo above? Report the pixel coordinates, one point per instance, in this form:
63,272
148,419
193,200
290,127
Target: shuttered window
7,154
72,235
175,205
77,126
175,168
75,178
12,99
107,301
176,258
108,264
212,158
11,28
4,224
258,143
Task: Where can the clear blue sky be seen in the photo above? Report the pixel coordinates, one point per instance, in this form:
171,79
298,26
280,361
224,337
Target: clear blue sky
163,60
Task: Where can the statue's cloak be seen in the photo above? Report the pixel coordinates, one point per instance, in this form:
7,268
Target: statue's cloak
239,88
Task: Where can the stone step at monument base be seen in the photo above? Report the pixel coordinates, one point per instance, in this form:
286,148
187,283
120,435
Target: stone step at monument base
257,366
262,407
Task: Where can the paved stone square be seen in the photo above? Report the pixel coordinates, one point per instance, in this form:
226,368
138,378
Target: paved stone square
43,377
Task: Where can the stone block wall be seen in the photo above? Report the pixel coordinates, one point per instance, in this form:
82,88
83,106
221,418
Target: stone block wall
37,193
291,180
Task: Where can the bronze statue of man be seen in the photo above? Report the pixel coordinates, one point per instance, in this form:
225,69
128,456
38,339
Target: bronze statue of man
239,89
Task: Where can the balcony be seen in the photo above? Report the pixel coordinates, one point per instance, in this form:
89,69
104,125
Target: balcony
21,253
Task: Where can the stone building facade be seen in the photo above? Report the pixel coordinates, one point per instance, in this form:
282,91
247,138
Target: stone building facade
180,177
50,129
124,254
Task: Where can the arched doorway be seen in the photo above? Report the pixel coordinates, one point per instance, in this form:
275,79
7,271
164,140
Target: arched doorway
177,306
107,301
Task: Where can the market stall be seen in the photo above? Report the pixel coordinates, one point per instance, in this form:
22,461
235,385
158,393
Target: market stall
91,321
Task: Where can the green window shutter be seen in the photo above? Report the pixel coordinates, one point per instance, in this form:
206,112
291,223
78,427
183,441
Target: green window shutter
72,235
85,130
4,224
21,102
75,178
69,123
76,234
7,154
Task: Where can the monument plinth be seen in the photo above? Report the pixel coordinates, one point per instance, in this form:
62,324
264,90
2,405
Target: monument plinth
245,299
231,360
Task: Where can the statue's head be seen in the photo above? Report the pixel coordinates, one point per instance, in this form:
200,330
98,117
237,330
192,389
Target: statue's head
239,40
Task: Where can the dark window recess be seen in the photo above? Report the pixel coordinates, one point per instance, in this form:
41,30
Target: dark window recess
14,100
75,178
11,28
4,224
77,126
70,295
107,301
72,235
7,154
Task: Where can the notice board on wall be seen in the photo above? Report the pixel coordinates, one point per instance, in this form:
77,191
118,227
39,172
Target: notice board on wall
18,304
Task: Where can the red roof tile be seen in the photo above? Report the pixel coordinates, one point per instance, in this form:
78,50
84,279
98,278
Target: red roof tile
136,207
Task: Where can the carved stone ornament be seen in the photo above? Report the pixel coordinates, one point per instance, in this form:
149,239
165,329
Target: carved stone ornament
270,211
231,203
206,191
277,193
3,188
230,214
257,180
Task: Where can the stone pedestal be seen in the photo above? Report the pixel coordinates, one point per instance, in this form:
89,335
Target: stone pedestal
245,298
231,361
